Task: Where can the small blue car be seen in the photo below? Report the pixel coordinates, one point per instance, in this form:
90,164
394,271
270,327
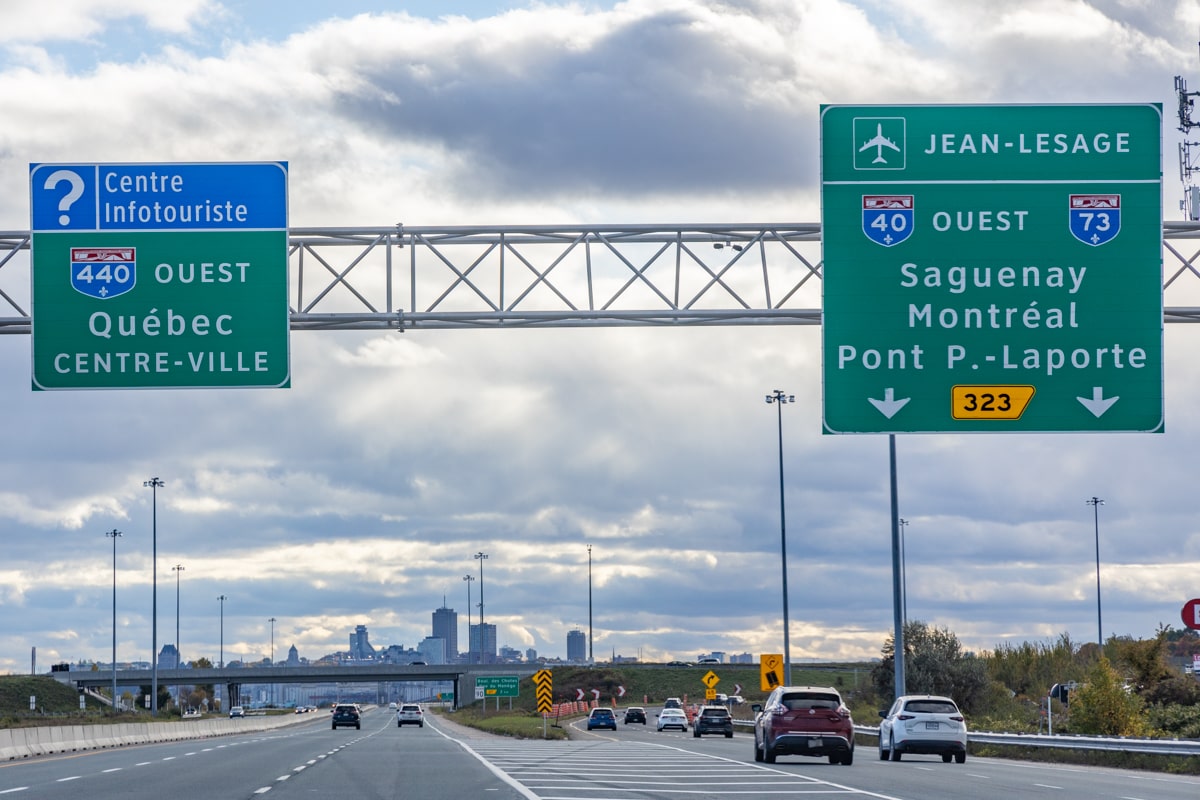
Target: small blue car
602,718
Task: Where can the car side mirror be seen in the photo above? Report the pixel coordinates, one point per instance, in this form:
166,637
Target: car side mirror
883,714
756,707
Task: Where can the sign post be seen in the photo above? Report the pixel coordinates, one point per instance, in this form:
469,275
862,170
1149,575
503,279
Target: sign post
992,268
159,276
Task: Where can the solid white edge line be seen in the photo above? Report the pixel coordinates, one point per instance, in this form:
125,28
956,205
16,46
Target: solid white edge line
518,787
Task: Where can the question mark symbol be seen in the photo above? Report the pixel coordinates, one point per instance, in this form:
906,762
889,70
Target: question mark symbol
64,205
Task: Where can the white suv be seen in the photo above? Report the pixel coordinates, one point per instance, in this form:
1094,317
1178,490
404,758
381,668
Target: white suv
410,714
925,724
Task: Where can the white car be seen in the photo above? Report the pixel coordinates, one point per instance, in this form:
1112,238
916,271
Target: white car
672,718
410,714
926,724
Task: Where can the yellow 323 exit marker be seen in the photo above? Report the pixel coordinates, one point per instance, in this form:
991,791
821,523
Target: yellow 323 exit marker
989,402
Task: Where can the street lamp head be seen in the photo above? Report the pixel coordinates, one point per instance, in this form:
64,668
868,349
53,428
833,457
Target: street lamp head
153,483
468,577
481,555
778,396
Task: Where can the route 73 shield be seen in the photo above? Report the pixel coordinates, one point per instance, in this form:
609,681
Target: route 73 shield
1095,218
887,218
103,272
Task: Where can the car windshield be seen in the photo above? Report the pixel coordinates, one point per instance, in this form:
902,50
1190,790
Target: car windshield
931,707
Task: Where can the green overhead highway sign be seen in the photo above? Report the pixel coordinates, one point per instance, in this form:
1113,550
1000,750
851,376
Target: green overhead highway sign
159,275
992,268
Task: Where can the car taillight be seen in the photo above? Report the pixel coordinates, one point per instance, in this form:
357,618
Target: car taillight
957,719
905,716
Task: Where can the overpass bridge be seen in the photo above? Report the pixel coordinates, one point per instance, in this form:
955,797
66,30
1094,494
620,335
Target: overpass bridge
462,676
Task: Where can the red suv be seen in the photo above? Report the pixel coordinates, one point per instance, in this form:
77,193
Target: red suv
803,721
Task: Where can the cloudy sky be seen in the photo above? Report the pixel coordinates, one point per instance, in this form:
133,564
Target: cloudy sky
361,494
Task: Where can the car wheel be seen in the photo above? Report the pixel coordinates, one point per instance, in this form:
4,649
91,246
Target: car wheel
848,759
335,727
695,734
883,753
768,752
758,755
946,758
358,726
729,735
896,755
399,724
960,758
421,724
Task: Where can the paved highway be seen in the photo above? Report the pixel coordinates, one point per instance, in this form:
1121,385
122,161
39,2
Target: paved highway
444,761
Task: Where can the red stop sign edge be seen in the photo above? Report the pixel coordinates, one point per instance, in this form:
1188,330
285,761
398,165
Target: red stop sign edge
1191,614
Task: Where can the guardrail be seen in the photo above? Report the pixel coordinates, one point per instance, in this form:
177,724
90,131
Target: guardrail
1162,747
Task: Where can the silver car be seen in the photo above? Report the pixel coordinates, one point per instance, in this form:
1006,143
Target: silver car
925,724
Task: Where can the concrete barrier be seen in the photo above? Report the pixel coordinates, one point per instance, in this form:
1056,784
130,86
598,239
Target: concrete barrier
18,743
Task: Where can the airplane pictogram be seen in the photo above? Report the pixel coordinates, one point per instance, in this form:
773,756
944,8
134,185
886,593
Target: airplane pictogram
879,141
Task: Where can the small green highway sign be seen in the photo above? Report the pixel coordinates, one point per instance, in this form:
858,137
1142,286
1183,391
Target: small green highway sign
496,686
153,276
992,268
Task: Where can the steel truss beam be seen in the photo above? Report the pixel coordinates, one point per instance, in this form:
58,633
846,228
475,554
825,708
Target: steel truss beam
541,276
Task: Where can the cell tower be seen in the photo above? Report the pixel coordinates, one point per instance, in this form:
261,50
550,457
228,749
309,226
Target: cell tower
1190,205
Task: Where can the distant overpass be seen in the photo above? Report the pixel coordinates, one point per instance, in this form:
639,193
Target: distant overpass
462,676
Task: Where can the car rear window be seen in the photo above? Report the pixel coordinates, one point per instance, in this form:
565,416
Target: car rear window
715,712
805,701
931,707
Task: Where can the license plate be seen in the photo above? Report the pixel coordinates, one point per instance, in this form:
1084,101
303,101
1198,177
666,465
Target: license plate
931,726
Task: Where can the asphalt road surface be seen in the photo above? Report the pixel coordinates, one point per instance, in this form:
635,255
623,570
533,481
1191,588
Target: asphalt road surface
445,761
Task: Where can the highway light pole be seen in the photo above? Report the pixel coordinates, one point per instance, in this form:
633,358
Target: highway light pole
272,621
1095,503
591,657
113,534
177,569
221,659
468,579
481,557
779,398
154,484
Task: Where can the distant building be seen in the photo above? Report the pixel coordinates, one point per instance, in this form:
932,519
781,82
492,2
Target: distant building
168,657
531,656
483,643
360,648
293,659
576,645
432,650
509,654
445,627
744,658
